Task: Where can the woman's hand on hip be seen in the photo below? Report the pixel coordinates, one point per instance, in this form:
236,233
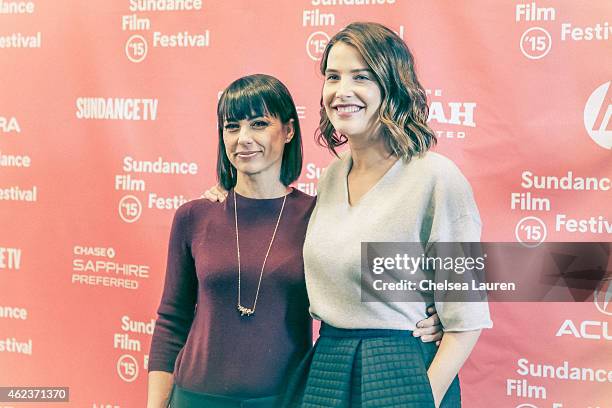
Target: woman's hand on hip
430,329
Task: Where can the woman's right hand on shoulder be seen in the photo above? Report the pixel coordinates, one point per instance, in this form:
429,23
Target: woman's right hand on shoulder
215,194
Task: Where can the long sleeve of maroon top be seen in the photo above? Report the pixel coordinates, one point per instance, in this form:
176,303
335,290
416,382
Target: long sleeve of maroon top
199,334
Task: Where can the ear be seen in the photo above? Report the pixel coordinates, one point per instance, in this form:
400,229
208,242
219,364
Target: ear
289,130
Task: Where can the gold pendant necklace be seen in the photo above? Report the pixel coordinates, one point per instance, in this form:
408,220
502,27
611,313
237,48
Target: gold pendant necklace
245,311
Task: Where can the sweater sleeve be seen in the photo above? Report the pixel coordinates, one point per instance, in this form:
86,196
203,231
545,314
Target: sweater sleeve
176,310
456,220
460,316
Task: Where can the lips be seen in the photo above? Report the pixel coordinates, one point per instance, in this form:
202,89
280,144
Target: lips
345,110
247,154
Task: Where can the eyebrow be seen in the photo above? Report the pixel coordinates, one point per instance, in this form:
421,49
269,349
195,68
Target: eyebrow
352,70
264,116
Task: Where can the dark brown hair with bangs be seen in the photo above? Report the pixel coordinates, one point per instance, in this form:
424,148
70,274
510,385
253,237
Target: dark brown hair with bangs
403,111
252,96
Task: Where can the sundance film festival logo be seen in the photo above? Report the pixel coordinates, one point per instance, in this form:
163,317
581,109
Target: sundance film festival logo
130,209
597,113
136,48
535,43
127,368
315,45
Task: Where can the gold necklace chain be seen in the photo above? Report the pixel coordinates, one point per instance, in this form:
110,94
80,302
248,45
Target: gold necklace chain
245,311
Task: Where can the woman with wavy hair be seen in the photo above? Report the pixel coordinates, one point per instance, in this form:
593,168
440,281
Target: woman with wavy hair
389,187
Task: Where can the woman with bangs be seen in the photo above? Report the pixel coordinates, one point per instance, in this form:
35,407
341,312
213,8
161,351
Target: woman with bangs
388,187
233,318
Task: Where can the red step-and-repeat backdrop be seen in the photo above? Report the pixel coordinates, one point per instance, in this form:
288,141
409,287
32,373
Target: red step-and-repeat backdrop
107,125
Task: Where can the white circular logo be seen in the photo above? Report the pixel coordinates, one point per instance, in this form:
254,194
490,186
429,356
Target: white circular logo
602,297
530,232
535,43
127,368
597,115
136,48
526,406
130,208
315,45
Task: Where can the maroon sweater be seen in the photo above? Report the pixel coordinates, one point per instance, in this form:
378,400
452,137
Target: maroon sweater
199,334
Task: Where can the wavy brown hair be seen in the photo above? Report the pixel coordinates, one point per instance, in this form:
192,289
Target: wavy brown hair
403,111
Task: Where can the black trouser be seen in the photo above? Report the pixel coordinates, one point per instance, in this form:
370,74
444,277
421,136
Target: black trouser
182,398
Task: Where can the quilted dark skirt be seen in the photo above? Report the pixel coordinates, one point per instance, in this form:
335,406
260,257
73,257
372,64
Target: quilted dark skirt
367,368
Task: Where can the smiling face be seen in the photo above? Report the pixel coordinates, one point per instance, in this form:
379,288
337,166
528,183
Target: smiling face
351,95
255,145
258,132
